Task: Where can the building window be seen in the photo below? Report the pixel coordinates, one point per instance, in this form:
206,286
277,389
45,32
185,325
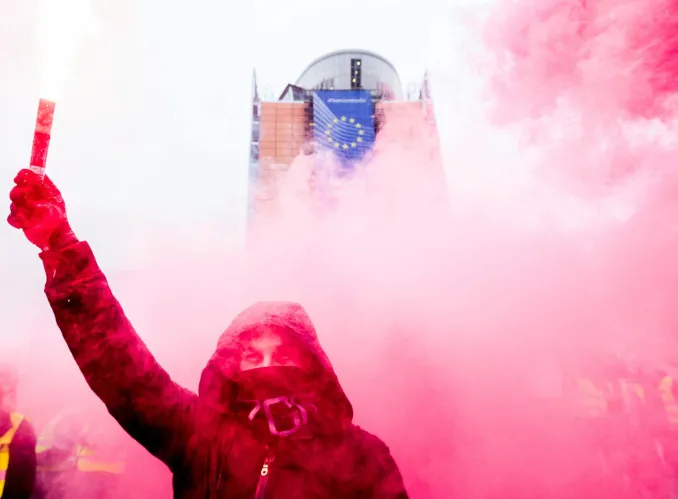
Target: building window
356,74
327,84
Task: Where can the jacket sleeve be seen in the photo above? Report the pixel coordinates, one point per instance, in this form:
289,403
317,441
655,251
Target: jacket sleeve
386,482
21,468
389,483
116,364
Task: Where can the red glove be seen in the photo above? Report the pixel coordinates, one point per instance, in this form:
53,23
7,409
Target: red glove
39,210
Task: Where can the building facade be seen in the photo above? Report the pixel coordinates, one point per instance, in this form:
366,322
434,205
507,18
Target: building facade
340,102
337,71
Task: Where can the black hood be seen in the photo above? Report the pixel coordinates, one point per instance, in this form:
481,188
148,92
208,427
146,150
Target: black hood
217,383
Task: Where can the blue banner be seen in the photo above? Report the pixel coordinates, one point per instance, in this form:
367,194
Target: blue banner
343,122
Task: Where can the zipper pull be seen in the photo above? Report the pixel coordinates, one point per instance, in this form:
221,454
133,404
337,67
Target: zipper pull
264,468
263,478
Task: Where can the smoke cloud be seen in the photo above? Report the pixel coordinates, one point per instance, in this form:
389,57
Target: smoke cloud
453,293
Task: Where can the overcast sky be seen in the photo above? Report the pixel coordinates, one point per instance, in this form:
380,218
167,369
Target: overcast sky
152,127
154,119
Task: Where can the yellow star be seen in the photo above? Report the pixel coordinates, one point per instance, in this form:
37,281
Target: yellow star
329,139
335,120
345,146
328,132
329,125
361,132
353,144
358,125
359,139
343,118
352,120
336,144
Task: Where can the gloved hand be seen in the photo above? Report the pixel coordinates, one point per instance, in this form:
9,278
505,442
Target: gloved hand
39,210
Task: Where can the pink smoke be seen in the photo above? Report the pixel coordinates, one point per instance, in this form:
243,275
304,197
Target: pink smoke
448,320
613,57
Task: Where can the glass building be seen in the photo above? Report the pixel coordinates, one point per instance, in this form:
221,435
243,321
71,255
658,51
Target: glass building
350,70
283,129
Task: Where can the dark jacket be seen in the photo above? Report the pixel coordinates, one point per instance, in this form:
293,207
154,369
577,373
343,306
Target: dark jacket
210,454
20,479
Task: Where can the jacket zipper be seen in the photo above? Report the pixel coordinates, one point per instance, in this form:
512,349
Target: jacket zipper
263,478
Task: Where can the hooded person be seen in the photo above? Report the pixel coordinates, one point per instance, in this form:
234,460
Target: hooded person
270,419
79,454
17,441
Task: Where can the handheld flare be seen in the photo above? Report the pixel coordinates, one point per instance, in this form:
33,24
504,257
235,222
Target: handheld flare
42,135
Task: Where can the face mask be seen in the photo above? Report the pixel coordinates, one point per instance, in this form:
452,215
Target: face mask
269,399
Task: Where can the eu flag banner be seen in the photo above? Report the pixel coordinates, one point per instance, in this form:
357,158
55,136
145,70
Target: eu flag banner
343,121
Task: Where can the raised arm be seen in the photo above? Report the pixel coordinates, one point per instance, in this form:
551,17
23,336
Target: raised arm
118,367
116,363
